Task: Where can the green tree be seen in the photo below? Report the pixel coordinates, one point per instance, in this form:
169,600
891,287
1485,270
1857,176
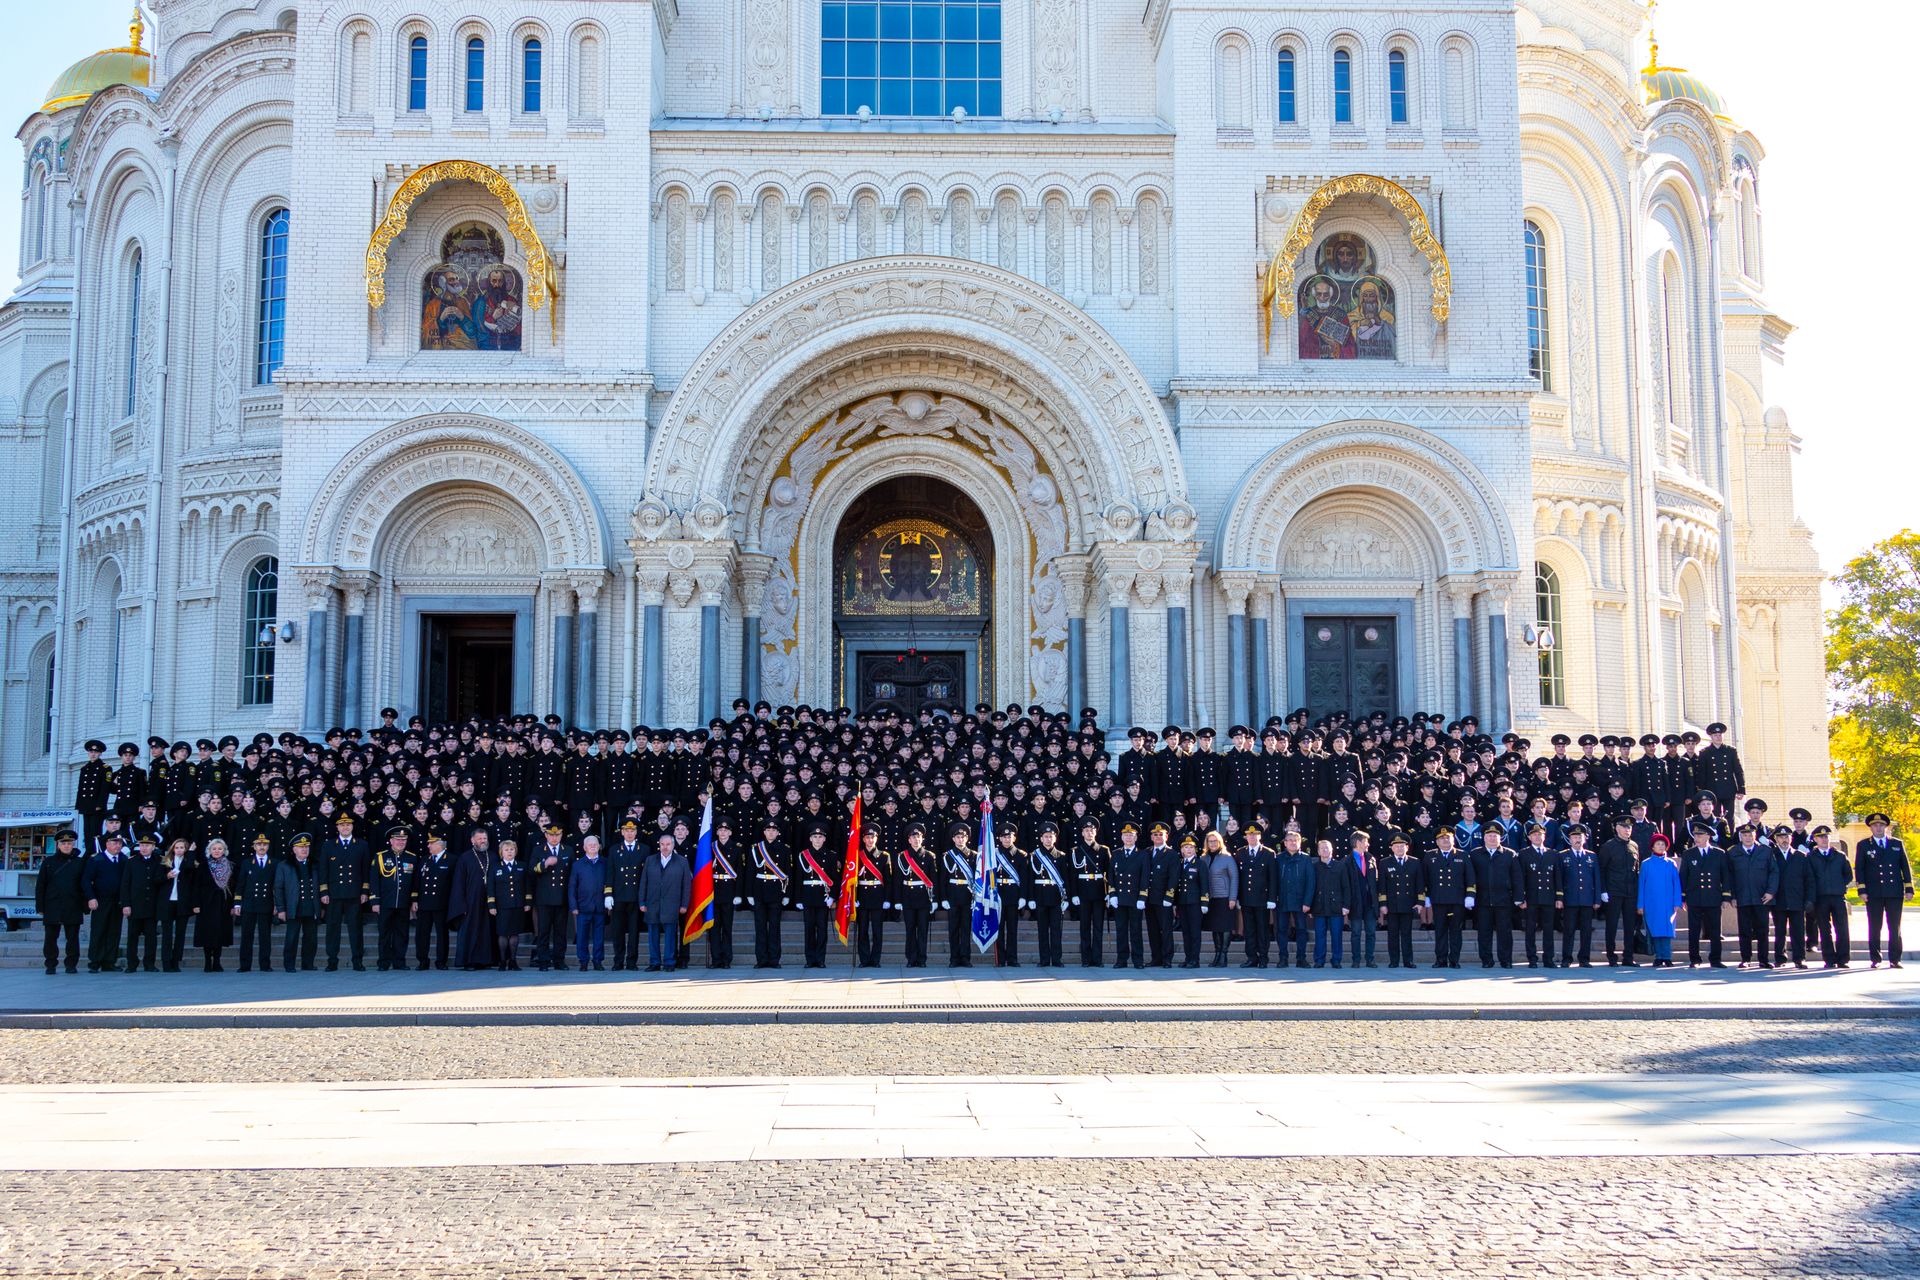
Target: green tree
1873,666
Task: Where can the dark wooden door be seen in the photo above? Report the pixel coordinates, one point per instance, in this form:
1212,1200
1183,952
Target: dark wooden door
906,682
1352,665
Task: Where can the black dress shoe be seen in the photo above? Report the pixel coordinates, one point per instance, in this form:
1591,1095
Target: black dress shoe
653,968
333,966
359,967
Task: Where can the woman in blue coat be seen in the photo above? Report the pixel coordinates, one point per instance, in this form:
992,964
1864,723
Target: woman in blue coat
1659,899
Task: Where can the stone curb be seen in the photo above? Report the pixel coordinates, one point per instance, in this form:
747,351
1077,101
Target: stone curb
857,1015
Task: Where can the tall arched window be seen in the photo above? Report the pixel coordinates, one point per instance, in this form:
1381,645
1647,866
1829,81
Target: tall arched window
1342,87
1547,612
530,76
1397,86
1673,324
417,74
1287,108
46,706
259,614
476,74
271,332
1539,363
132,398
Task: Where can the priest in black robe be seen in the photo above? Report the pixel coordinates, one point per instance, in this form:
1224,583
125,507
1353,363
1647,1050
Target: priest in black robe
467,905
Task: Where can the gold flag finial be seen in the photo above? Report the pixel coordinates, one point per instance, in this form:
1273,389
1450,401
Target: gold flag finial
1653,39
136,29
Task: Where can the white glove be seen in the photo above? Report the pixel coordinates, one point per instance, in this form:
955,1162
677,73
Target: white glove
609,901
1272,905
1603,897
1469,902
1076,902
736,902
1113,901
1141,905
944,906
1020,905
886,906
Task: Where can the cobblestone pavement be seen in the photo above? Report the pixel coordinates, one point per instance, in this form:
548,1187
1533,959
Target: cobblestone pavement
1394,1047
1486,1219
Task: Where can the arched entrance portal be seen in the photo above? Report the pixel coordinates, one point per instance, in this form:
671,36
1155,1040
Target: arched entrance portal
912,599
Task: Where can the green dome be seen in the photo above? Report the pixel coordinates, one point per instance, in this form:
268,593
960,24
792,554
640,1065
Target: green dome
1664,84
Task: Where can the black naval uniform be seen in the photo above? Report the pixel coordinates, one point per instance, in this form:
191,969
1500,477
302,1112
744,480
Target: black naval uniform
814,891
919,895
727,890
1402,884
253,894
624,866
1013,898
1129,898
873,897
1449,885
552,923
772,872
1092,865
432,885
390,893
1190,906
1048,890
957,897
1163,866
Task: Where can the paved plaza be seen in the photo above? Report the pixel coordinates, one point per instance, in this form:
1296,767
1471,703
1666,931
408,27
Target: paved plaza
1717,1124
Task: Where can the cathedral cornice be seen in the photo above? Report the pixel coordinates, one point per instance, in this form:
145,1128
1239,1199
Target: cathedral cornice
538,394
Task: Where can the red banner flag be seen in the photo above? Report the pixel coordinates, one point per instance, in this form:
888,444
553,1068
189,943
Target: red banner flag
849,877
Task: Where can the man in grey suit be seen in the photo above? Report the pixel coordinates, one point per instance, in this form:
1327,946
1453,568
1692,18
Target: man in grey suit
666,889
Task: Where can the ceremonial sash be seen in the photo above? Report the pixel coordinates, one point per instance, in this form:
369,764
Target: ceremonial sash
1000,860
1053,872
906,856
866,865
959,865
766,861
725,866
813,864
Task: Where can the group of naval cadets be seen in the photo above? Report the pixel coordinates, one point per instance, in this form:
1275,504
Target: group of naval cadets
471,845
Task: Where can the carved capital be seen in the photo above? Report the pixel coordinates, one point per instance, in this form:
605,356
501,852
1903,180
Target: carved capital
1235,588
680,587
1074,574
355,584
317,585
587,586
650,584
755,570
559,589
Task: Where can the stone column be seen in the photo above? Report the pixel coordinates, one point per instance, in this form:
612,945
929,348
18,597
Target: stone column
1119,653
1235,588
1461,594
755,571
1499,714
560,598
1072,573
651,586
1260,655
586,665
355,587
1179,585
711,583
318,586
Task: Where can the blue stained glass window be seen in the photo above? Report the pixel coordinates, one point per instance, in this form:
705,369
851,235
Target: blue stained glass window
1342,87
476,74
417,74
1538,363
530,77
1397,87
1288,110
271,337
910,57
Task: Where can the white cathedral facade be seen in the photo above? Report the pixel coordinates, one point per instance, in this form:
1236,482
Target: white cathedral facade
617,358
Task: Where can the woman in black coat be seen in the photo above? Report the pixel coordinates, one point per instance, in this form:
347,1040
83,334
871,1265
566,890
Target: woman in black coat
212,880
509,902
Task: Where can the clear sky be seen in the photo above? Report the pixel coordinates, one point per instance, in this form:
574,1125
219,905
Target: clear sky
1827,104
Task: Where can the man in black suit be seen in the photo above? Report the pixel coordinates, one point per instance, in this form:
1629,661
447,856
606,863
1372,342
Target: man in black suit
343,892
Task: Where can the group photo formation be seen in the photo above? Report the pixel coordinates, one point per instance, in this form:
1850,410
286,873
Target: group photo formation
941,639
1302,842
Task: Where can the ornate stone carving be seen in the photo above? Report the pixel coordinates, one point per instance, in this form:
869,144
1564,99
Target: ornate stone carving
542,285
1175,522
913,414
1122,522
1582,403
389,468
1056,57
1101,249
766,56
1346,545
474,543
654,520
227,346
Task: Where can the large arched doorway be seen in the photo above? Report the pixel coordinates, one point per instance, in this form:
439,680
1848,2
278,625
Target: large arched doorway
912,599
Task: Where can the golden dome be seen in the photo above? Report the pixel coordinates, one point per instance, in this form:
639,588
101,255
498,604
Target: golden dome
1664,84
129,65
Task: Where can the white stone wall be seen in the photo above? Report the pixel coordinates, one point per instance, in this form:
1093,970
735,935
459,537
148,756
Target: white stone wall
682,181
